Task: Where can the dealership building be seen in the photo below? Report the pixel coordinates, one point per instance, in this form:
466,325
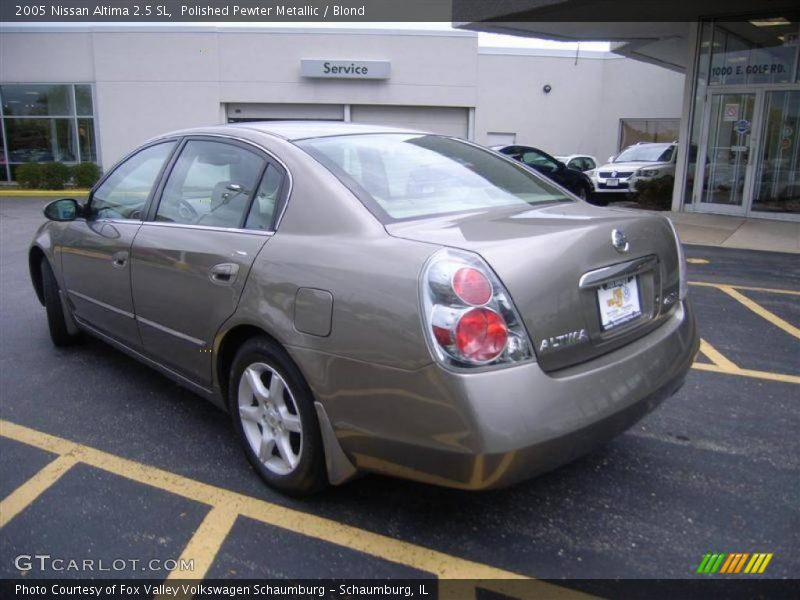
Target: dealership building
739,134
76,93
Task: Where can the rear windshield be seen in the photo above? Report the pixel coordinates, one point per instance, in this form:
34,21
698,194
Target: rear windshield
407,176
646,153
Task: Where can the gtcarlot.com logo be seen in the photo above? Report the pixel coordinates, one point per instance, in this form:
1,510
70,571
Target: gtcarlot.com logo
45,562
737,562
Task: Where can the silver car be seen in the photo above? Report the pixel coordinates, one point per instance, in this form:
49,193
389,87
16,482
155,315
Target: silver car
367,299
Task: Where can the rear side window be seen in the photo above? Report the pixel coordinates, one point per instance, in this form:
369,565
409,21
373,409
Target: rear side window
405,176
124,193
210,184
262,212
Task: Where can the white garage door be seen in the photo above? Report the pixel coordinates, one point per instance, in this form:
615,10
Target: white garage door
436,119
273,112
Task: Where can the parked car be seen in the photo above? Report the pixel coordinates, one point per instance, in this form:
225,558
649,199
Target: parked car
580,162
640,161
362,298
572,179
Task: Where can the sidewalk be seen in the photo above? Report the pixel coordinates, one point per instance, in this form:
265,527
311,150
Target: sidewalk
737,232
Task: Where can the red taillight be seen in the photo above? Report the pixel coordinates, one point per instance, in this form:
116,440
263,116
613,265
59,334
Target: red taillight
481,334
472,286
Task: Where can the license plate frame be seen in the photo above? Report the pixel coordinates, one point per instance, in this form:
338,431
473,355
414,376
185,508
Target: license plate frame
619,302
612,182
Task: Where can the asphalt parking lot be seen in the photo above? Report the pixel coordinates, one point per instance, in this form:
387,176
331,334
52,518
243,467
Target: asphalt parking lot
101,457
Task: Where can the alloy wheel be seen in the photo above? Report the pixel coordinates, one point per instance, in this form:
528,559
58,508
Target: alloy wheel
270,419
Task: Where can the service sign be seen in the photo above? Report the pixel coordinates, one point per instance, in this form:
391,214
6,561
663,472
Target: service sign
345,69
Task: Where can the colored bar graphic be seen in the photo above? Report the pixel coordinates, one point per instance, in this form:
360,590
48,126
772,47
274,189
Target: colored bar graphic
765,563
729,564
752,563
718,564
703,563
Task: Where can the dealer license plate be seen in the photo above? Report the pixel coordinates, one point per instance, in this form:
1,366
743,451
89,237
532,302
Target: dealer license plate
619,302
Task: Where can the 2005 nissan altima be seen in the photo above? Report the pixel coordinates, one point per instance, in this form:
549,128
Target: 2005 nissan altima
370,299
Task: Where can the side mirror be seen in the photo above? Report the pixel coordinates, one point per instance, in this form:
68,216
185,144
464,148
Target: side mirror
561,166
611,158
65,209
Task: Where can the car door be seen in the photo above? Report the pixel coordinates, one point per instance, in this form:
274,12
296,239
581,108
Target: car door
95,256
191,258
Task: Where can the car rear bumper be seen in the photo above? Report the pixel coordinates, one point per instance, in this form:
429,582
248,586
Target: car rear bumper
493,428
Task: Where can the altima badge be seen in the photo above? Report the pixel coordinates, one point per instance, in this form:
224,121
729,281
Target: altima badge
619,241
565,339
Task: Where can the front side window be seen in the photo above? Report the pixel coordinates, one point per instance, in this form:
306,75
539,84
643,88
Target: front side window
124,193
404,176
211,184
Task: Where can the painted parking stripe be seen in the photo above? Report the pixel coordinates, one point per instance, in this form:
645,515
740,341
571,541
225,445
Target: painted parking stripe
761,311
204,545
716,357
25,494
746,288
721,364
213,533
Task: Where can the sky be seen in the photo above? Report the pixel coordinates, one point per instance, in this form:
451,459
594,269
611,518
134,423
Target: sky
491,40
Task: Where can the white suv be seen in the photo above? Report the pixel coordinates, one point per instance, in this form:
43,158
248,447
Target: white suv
640,161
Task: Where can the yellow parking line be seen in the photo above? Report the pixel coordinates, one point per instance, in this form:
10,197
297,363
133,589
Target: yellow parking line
747,288
715,356
761,311
25,494
748,373
202,548
411,555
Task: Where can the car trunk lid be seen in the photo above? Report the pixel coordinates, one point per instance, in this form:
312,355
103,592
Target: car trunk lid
554,261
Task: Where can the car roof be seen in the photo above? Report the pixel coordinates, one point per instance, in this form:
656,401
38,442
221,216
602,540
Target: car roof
298,130
290,130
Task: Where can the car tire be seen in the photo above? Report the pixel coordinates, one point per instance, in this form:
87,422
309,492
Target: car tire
583,193
56,321
273,413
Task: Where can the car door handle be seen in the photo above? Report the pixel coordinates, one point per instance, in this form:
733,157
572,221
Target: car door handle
223,273
119,259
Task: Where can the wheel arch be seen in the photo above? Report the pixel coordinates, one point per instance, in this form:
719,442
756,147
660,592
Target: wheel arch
337,464
35,256
227,345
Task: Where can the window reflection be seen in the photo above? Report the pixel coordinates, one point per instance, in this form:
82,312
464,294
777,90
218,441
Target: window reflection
778,179
648,130
40,140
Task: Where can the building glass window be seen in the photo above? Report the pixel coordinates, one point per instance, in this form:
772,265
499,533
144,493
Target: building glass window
633,131
701,86
46,123
760,51
40,140
83,100
3,165
86,140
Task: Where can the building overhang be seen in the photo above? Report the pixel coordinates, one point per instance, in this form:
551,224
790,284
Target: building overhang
652,31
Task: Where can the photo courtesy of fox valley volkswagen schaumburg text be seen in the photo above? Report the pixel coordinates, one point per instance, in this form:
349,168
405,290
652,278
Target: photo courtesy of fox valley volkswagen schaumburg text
368,301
